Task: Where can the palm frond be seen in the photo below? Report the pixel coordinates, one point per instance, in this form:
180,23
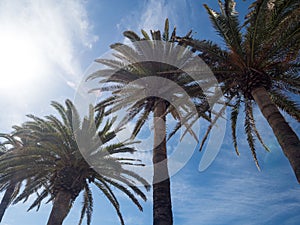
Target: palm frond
233,118
248,125
286,104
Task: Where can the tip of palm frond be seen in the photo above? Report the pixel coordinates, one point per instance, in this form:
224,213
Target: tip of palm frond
146,36
211,12
94,90
53,103
166,30
257,166
69,103
131,35
167,22
131,142
267,149
206,7
132,137
116,45
202,144
147,187
31,115
170,136
237,152
255,157
98,60
173,35
230,7
188,35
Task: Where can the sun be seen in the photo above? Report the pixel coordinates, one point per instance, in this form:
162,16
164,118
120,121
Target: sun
20,60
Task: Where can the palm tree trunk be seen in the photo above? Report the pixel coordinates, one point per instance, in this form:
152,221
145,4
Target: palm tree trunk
60,209
162,207
286,137
7,198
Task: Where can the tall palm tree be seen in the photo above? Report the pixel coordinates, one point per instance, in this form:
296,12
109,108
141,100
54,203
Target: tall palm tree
133,73
51,165
259,66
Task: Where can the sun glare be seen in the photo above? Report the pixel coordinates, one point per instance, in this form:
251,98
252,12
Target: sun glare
20,61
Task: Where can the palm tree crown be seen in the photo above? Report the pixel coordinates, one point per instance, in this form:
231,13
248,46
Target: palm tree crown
126,78
51,164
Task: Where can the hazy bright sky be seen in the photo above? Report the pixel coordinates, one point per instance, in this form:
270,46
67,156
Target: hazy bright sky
45,47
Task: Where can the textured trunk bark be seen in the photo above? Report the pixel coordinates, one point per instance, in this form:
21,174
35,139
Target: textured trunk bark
7,198
60,209
162,207
286,137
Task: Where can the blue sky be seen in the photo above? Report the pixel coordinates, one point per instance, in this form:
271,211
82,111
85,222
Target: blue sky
48,45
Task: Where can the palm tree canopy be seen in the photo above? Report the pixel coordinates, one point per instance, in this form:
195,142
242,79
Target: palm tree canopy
140,68
261,52
49,160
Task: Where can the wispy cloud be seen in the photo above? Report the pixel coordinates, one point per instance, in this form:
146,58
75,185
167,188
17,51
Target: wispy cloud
156,11
233,195
152,14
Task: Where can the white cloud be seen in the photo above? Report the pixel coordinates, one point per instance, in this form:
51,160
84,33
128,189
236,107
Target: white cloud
55,27
45,40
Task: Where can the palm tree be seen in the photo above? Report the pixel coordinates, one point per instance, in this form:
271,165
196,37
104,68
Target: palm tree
138,81
51,165
259,66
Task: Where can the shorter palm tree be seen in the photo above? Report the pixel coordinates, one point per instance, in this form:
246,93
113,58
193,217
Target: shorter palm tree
51,165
